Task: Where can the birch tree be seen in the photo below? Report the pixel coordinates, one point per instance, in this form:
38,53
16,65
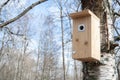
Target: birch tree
106,68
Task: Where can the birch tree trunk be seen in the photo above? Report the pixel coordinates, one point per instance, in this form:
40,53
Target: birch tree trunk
105,69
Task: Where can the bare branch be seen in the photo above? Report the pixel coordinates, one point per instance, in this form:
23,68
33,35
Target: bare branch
17,34
116,30
21,14
115,13
78,6
118,2
5,3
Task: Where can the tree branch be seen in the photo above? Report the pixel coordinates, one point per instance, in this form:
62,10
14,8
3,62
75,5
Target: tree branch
115,13
2,5
118,2
78,6
21,14
9,31
5,3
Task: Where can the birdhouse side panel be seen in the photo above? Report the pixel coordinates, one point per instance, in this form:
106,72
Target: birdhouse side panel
95,25
82,38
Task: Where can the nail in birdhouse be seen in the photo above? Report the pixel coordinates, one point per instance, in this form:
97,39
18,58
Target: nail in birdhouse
86,36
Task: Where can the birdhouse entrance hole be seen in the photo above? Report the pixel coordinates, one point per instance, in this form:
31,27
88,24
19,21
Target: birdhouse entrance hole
81,27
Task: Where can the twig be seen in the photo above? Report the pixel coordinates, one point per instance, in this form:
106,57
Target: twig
118,2
115,13
21,14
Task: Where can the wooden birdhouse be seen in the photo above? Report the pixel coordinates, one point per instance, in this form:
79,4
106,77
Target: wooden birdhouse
86,36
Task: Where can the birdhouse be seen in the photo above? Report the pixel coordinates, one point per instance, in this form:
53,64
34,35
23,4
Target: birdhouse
86,36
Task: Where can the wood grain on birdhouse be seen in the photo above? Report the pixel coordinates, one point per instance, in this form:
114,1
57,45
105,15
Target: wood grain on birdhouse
86,36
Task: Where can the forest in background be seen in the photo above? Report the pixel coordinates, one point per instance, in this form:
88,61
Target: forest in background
37,46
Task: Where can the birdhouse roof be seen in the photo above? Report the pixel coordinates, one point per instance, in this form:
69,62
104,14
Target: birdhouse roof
83,13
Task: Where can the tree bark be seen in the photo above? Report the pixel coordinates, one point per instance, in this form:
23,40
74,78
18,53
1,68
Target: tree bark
105,69
62,34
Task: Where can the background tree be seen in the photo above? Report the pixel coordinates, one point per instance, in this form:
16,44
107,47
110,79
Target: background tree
30,53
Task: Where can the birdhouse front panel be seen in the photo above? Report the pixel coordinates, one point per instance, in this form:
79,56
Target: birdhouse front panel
86,36
81,37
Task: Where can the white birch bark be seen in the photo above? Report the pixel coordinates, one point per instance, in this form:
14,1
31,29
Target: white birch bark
106,69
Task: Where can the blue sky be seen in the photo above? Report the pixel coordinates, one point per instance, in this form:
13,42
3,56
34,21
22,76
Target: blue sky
38,15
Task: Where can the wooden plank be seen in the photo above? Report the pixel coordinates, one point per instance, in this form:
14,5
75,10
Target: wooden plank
95,36
82,40
86,43
83,13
